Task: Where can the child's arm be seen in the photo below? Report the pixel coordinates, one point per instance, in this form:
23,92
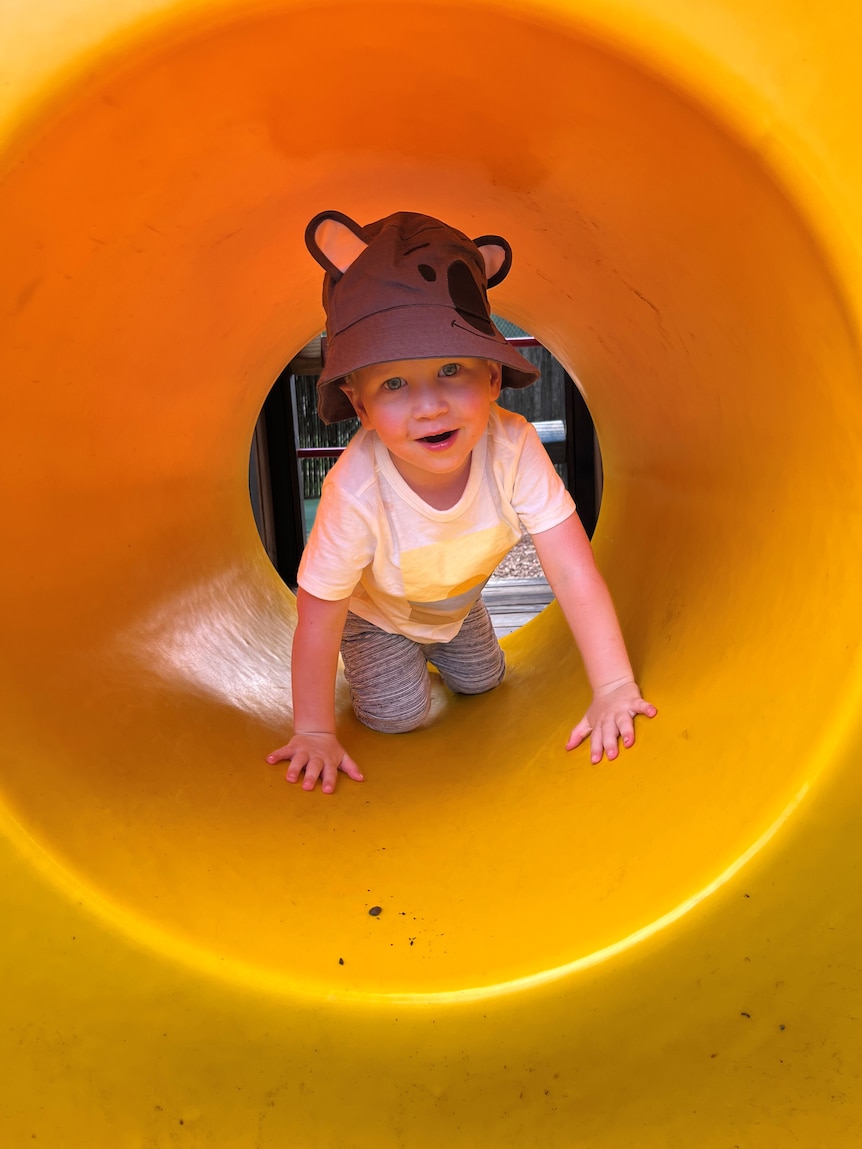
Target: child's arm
567,560
314,746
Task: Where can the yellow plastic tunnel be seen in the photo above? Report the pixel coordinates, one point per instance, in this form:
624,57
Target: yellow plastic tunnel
659,953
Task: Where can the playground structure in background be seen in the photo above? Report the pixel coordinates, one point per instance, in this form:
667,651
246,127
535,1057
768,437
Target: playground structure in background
660,953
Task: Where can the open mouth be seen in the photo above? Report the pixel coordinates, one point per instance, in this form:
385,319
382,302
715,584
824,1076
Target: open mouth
441,438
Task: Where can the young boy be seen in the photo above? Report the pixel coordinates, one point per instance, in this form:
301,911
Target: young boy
429,496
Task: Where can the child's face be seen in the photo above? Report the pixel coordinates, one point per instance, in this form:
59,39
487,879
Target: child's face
429,413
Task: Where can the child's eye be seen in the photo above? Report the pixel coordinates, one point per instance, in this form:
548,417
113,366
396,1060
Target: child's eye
394,384
449,369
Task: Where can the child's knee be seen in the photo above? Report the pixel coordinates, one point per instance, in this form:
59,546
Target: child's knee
475,679
479,687
390,719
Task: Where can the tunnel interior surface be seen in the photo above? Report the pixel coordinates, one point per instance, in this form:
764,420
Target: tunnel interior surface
156,280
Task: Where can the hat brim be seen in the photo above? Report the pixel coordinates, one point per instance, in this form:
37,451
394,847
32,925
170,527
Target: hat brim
416,332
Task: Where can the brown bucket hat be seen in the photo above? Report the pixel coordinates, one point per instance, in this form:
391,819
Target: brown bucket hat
406,287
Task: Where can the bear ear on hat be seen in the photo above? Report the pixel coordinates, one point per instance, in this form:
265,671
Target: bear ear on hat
497,256
335,241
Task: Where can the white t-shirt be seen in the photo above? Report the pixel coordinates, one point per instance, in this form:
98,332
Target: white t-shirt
412,569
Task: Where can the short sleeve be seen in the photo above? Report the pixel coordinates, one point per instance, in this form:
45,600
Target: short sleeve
539,496
339,548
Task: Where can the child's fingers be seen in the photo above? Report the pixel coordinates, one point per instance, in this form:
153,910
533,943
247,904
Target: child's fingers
326,769
317,759
579,733
298,763
627,730
349,767
321,767
328,778
604,740
314,767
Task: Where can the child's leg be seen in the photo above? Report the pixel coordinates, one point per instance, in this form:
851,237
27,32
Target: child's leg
473,661
388,677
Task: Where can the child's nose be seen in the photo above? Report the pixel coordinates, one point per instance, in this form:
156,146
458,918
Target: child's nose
429,400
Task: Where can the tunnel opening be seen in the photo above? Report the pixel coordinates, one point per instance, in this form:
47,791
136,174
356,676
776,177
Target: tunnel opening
293,450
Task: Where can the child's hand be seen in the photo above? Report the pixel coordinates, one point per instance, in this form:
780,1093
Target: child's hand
610,717
320,756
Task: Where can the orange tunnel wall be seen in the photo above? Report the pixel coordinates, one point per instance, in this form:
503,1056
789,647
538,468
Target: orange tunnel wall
566,955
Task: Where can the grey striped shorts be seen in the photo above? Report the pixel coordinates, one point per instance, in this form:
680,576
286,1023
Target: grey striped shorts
388,673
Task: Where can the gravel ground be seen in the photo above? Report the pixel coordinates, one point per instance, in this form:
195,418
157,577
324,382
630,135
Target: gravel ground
520,562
